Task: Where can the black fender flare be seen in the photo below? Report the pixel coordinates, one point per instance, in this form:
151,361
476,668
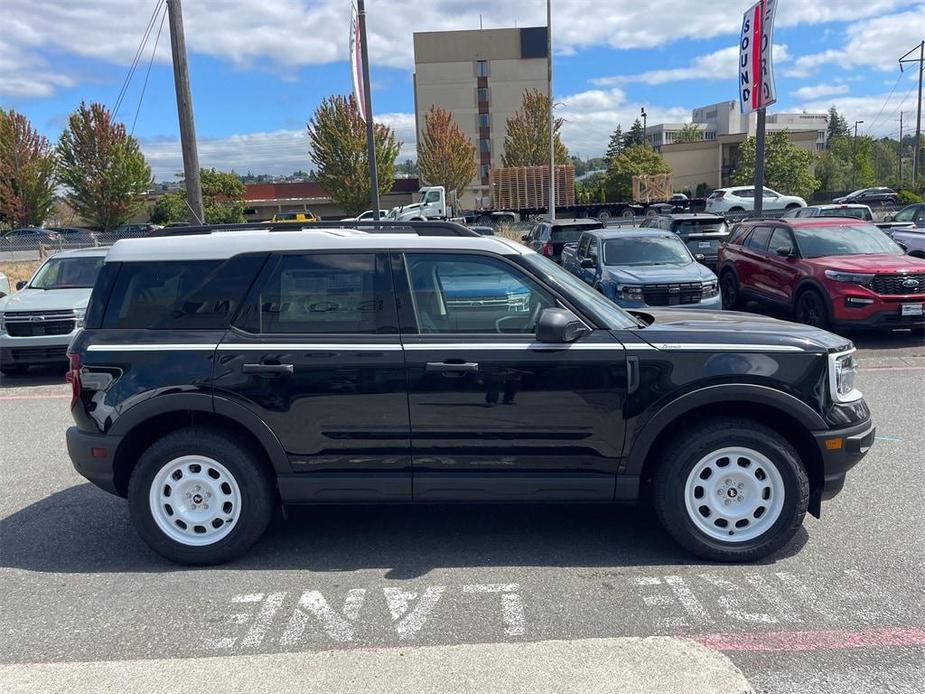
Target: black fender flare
204,402
716,395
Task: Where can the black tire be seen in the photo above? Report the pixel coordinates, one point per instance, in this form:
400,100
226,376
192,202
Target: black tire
603,216
257,494
792,206
680,458
730,292
737,209
811,308
17,370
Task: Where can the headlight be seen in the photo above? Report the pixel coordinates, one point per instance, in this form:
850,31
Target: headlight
843,371
629,292
853,277
79,315
710,289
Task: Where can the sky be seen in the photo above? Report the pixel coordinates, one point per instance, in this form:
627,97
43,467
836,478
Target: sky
258,68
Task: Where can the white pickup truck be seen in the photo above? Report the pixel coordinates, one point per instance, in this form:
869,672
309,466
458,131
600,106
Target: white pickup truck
38,321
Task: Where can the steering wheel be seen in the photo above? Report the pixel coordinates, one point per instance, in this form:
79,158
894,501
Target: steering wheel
534,318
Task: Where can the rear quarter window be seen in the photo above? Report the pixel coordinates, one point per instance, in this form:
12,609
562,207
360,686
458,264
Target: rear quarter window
180,295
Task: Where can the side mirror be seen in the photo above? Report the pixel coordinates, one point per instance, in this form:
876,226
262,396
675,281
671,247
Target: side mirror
588,263
559,325
700,257
525,238
21,284
785,252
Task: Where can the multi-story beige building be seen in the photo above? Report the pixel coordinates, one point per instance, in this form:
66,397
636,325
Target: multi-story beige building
480,77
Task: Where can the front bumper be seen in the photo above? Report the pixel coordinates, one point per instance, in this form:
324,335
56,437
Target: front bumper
26,351
714,303
93,456
841,450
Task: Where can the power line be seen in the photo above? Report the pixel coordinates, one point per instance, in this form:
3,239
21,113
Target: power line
889,96
144,86
138,52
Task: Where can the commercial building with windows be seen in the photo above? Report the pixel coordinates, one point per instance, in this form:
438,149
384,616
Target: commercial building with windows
479,76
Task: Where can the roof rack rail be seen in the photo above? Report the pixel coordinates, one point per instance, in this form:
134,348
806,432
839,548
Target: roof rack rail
427,228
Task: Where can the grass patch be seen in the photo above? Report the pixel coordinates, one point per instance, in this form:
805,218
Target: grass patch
19,271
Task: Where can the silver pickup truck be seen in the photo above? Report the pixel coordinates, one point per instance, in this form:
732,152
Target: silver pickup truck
38,321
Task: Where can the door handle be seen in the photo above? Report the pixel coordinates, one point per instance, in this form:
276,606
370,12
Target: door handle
454,368
267,369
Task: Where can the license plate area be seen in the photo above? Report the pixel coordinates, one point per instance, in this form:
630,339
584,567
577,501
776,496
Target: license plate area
911,309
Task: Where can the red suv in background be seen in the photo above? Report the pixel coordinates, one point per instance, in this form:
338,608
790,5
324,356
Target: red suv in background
831,272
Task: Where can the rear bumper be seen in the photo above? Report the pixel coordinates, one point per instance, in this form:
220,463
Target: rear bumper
93,456
841,450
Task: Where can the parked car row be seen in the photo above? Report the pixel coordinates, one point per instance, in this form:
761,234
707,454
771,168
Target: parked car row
30,238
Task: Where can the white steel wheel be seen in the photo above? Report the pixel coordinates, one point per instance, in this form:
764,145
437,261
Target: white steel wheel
195,500
734,494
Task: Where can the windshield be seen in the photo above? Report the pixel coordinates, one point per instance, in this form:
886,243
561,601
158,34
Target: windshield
608,313
854,212
644,250
68,273
855,239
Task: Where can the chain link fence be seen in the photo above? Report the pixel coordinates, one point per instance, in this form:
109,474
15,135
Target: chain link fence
31,245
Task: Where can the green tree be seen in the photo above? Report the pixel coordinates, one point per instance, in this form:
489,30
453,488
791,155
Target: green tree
446,156
102,167
691,132
786,166
637,160
222,197
592,188
526,140
170,207
615,146
635,135
837,125
337,134
27,171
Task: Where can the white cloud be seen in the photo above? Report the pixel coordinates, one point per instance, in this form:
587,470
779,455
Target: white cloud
282,35
819,90
717,65
27,76
276,152
876,43
880,113
591,116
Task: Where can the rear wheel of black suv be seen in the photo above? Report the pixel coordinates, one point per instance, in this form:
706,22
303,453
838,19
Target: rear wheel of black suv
732,490
200,497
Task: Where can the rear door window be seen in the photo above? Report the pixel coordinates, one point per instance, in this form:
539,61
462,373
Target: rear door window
180,295
323,293
758,239
571,232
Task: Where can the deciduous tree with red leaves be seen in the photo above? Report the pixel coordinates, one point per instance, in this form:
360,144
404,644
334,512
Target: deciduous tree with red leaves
27,172
102,167
446,157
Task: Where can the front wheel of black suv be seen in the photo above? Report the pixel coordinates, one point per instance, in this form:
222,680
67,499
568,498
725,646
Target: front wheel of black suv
732,490
198,496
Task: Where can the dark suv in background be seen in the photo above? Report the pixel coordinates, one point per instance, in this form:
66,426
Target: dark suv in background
222,375
701,232
549,238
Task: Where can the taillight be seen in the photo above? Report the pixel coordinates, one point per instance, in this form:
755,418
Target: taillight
547,250
73,376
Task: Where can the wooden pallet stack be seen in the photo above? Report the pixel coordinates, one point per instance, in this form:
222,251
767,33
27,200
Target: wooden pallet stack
525,187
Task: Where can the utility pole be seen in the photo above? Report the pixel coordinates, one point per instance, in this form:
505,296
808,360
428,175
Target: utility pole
552,120
368,115
645,127
917,152
185,112
854,149
900,148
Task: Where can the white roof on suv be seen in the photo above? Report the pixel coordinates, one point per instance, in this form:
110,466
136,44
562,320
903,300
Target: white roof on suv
225,244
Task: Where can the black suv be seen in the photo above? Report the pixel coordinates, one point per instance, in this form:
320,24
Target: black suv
222,375
549,238
702,232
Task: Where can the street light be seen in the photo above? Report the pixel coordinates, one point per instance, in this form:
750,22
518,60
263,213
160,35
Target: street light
645,130
854,168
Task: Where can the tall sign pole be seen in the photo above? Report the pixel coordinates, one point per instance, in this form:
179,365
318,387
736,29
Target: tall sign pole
917,152
552,120
360,54
185,112
756,78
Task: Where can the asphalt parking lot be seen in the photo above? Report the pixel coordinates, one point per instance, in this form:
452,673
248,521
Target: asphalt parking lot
556,598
